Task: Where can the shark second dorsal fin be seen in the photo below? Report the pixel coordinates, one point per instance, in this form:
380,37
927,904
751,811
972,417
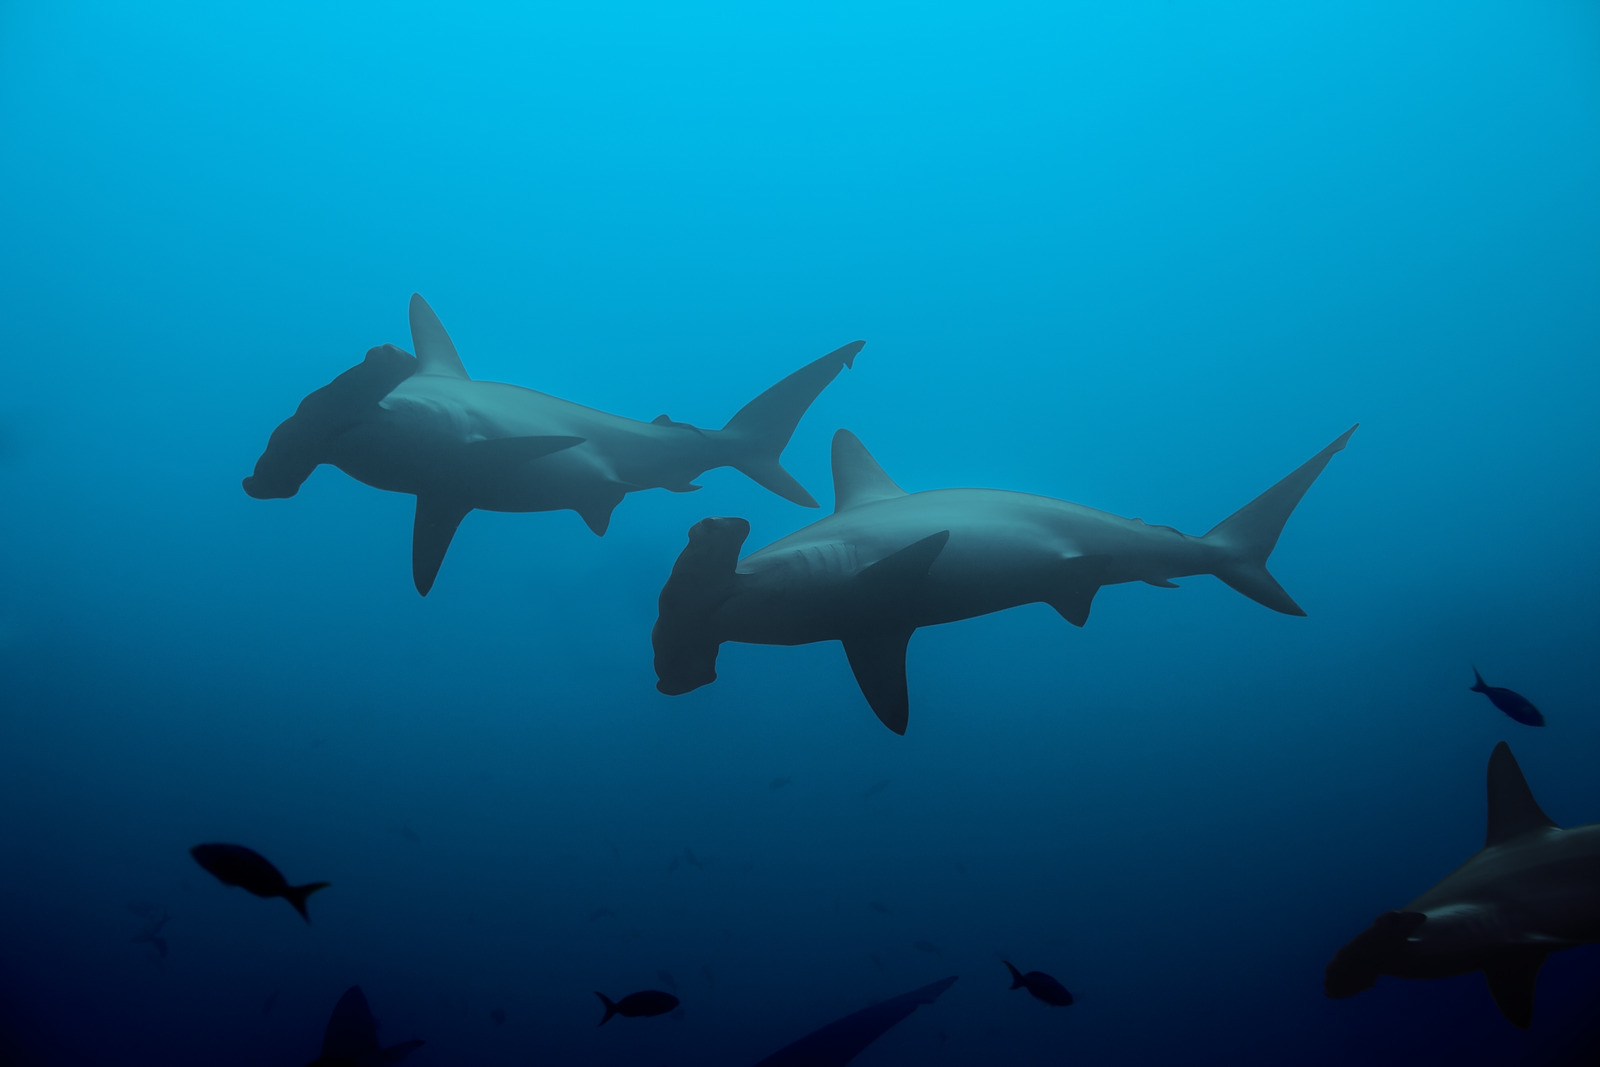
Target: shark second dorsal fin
1512,809
857,478
436,354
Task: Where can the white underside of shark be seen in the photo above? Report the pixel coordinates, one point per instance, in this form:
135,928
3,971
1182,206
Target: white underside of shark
426,428
1533,889
887,562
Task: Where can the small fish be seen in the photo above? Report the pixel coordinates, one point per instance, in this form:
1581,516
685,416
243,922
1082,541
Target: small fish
638,1005
875,788
926,946
249,870
875,958
779,783
1509,701
878,906
694,861
1041,985
497,1016
672,864
667,979
601,913
410,834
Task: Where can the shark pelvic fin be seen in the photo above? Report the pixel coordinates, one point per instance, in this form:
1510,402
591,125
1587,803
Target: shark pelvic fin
436,354
857,478
1511,983
431,532
1080,580
878,659
1512,809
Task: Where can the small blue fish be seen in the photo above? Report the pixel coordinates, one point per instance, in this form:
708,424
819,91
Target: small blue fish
1512,703
248,869
1041,985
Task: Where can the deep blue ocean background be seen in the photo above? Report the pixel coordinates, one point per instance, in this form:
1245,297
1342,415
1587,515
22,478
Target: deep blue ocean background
1147,256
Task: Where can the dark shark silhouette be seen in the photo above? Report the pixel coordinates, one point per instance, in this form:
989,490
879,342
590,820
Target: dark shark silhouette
1533,889
351,1038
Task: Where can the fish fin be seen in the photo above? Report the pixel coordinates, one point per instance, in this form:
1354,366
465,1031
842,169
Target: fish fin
297,894
1016,975
760,431
909,564
611,1009
857,478
1511,983
1248,536
1161,583
431,532
436,354
1512,809
596,512
1075,589
1478,684
878,659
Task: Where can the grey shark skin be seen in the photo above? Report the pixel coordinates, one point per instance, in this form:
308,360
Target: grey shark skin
1533,889
422,426
887,561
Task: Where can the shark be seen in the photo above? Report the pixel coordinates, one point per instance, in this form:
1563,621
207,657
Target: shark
1533,889
887,562
419,424
351,1037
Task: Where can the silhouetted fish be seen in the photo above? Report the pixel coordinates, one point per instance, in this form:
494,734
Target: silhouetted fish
1509,701
779,783
497,1016
237,865
645,1003
149,934
410,834
270,1003
875,958
875,788
694,861
1041,985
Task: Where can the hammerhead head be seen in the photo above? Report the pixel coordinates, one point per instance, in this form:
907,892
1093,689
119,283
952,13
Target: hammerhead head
1533,889
420,425
887,561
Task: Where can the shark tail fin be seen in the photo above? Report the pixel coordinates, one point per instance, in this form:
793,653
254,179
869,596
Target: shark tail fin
702,580
758,433
297,894
1016,975
1248,536
611,1008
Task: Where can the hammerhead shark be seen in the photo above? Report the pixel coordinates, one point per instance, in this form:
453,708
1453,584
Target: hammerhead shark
1533,889
421,425
887,561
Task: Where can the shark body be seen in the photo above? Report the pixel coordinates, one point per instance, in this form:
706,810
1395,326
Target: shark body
1533,889
887,562
421,425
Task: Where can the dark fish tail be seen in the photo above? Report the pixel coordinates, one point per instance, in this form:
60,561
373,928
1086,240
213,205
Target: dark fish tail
1016,975
611,1009
297,894
1478,684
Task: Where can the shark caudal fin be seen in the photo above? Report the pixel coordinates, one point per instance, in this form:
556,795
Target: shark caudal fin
757,434
702,580
1248,536
297,894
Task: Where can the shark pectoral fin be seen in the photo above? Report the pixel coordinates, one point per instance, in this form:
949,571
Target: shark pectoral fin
1074,590
396,1053
909,564
1511,983
500,456
878,659
431,532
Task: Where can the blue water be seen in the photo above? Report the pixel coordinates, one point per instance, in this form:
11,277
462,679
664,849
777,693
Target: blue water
1147,256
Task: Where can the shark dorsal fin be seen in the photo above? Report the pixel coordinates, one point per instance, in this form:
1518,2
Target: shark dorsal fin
436,354
857,478
1512,809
